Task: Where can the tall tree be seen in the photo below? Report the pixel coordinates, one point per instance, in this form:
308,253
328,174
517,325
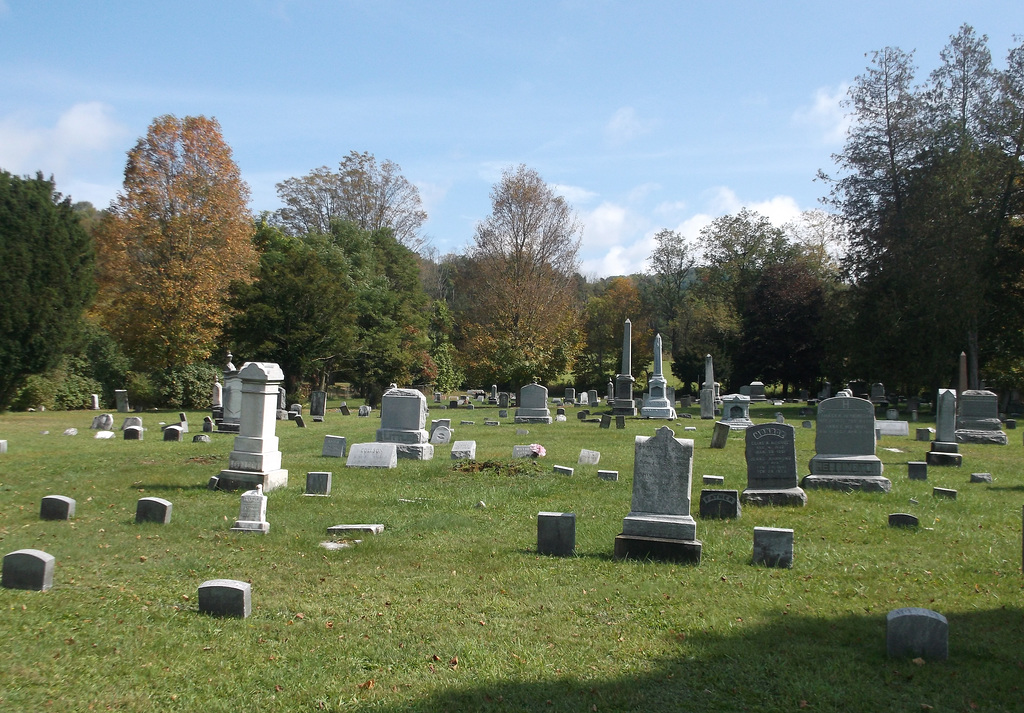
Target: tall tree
617,300
371,195
46,280
177,235
523,320
671,269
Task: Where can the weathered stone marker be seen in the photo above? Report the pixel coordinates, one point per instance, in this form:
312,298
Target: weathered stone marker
556,533
916,632
57,507
225,597
28,569
773,546
153,510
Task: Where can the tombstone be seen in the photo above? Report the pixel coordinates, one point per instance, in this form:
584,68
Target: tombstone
503,413
503,400
133,433
532,405
28,569
915,632
103,422
57,507
523,452
588,457
773,547
334,447
736,412
94,402
372,455
172,433
403,415
494,394
434,423
570,394
454,403
1011,424
592,397
207,425
892,428
656,401
944,450
255,460
252,512
924,434
344,409
232,393
3,446
803,395
216,395
318,482
132,421
299,421
582,414
825,392
720,504
844,444
225,597
944,493
562,470
155,510
917,470
659,524
121,398
779,417
902,519
877,393
610,393
720,435
70,431
606,420
978,418
623,404
522,432
437,397
556,533
806,424
981,478
318,405
757,391
441,435
892,414
713,479
364,411
464,450
771,466
620,422
584,399
612,475
200,438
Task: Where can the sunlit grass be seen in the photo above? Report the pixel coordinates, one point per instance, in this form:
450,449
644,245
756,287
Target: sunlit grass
451,607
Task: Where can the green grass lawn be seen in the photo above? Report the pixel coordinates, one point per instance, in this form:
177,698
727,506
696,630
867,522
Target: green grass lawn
452,609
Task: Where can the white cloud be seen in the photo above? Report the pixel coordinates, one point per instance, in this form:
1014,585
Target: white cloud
826,114
608,224
625,125
574,194
82,134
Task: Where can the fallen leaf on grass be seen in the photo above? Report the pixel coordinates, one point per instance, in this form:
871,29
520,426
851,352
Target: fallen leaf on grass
454,663
278,688
919,661
368,685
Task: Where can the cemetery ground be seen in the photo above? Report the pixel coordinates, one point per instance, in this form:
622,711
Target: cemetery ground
451,608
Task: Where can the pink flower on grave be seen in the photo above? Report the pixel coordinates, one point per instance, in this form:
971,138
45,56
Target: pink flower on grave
538,450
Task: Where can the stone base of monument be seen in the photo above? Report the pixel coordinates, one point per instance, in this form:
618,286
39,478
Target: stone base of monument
984,437
415,451
227,426
847,483
532,419
236,479
738,424
657,548
944,453
787,496
251,526
658,412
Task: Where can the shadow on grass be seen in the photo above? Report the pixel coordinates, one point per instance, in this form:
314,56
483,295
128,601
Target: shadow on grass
146,487
1015,488
789,663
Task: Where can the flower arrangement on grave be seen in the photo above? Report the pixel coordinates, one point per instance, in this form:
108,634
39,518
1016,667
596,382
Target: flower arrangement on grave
538,450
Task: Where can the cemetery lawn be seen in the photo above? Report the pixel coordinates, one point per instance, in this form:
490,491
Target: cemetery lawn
450,608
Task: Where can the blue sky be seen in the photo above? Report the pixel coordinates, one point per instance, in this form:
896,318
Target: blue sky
645,115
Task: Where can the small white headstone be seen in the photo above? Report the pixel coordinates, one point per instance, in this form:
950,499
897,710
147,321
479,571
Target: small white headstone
373,455
588,457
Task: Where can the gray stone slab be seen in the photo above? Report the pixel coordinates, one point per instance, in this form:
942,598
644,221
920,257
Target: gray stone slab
773,546
589,457
917,470
200,438
318,482
441,435
370,529
152,509
923,434
57,507
225,597
28,569
133,433
372,455
915,632
720,435
464,450
944,493
334,447
713,479
556,533
563,470
720,504
612,475
903,519
172,433
981,477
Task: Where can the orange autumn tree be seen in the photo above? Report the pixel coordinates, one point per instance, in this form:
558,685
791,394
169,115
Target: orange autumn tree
176,236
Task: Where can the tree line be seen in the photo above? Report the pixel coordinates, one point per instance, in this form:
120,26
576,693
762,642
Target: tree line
919,258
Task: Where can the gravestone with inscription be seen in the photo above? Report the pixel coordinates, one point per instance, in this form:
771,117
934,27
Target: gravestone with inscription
844,444
318,405
464,450
719,504
252,512
977,418
656,401
771,466
403,415
255,460
707,391
231,394
659,524
736,412
372,455
532,405
624,405
944,450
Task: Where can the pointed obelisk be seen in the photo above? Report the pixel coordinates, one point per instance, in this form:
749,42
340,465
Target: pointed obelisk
707,391
624,404
657,405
